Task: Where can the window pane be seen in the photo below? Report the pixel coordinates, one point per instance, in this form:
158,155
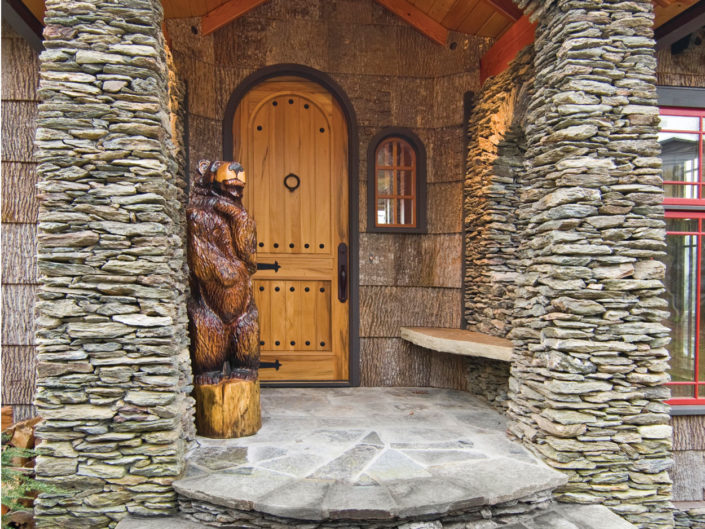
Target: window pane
384,182
680,122
405,183
690,225
681,292
683,392
385,211
384,154
406,154
679,153
406,211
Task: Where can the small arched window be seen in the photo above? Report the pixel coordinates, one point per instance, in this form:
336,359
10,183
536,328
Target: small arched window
397,183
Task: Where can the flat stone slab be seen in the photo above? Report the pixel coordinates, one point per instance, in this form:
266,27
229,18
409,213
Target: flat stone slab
561,516
366,453
570,516
459,341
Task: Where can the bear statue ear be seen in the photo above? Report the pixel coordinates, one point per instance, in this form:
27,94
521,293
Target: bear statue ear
215,165
203,166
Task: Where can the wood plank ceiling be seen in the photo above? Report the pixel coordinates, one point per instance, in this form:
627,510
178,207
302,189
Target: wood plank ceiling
486,18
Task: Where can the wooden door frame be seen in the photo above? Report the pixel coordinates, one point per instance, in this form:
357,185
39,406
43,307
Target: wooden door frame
324,80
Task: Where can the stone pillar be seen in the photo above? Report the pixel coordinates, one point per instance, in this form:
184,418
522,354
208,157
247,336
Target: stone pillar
112,339
587,381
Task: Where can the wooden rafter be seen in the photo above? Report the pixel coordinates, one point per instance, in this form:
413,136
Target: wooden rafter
507,8
226,13
681,25
23,22
498,57
417,18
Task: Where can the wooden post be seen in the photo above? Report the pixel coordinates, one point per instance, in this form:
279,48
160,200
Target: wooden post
228,409
7,417
223,319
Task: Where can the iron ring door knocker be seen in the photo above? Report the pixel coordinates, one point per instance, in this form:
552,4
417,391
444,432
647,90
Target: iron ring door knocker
295,185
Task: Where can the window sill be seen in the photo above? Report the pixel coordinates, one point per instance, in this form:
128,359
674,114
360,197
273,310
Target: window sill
687,409
396,229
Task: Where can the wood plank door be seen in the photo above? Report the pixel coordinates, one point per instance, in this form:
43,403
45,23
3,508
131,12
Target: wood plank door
290,135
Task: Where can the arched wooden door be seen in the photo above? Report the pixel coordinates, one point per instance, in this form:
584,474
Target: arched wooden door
290,135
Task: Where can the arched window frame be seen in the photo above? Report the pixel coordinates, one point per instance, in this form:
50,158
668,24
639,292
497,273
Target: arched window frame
419,180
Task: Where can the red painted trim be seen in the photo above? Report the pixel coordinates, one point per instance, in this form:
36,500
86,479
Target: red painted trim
498,57
670,214
683,201
697,383
699,185
685,402
680,111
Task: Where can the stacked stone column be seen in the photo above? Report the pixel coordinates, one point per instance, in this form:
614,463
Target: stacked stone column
586,389
111,328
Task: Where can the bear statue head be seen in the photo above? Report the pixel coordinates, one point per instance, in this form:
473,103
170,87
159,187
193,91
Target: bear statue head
228,178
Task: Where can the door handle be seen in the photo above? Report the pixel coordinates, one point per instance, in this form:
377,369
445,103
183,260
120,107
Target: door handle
342,272
269,266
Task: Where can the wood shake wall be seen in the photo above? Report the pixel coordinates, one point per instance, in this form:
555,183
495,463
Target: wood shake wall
20,76
394,76
685,69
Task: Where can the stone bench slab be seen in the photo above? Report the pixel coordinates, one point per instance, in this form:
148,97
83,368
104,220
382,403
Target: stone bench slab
459,341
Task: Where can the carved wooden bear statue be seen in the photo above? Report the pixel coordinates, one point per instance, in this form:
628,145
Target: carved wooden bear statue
221,256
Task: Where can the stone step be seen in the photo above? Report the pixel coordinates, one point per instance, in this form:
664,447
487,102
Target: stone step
559,516
334,455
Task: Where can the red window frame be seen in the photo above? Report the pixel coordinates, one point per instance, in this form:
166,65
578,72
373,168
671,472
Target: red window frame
676,208
700,185
698,382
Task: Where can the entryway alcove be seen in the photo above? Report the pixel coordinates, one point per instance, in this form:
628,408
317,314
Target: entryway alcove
586,391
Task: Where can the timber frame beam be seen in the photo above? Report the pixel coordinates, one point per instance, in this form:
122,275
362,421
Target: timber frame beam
502,52
680,26
418,19
23,22
226,13
507,8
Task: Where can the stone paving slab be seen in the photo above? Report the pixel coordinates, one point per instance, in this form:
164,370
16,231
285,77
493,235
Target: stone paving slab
372,453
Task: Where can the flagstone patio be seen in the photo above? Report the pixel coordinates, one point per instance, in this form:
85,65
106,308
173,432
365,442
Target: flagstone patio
372,457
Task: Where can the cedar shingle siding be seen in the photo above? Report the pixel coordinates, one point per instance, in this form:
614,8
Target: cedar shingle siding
20,74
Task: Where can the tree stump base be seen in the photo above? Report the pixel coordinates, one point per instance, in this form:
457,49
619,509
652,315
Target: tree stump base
228,409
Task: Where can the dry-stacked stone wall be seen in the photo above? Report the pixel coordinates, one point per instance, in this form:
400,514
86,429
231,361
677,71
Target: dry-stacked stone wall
506,514
586,389
490,201
689,516
112,343
178,114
